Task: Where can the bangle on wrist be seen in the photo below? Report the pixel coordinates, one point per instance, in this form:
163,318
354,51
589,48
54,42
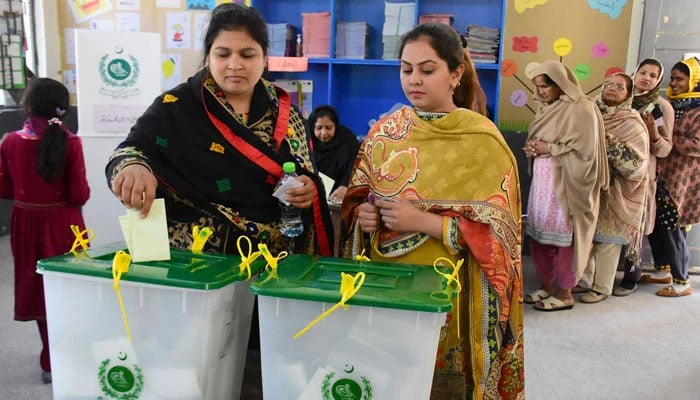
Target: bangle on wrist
132,162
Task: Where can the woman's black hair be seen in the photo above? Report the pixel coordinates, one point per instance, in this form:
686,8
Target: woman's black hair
682,67
236,17
49,99
324,111
449,46
629,83
549,81
650,61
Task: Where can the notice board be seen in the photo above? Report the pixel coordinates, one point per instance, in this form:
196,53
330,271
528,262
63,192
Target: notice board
590,36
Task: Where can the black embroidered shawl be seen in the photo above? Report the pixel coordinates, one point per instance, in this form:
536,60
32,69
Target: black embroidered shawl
215,171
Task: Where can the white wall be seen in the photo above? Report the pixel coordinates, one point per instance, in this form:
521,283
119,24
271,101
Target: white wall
47,39
635,35
102,211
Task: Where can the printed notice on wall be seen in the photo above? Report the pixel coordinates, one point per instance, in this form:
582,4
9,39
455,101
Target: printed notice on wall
118,76
116,119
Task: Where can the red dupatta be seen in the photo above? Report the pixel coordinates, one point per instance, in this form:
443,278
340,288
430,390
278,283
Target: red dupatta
273,168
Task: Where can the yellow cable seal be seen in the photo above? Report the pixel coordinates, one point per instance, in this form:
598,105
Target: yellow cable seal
120,265
271,260
199,238
246,259
451,278
82,239
362,256
349,286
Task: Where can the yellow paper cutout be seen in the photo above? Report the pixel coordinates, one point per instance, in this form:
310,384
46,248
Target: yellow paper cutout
562,46
522,5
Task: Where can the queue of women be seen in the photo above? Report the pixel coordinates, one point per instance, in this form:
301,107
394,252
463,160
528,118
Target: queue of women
626,163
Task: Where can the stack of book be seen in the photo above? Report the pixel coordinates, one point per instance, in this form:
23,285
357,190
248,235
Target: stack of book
482,43
352,40
316,33
398,19
282,40
446,19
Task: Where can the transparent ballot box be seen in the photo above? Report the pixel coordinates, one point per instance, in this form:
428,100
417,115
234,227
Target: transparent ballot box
175,329
382,347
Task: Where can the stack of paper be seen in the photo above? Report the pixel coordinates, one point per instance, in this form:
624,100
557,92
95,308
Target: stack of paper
398,19
482,43
352,40
316,33
282,40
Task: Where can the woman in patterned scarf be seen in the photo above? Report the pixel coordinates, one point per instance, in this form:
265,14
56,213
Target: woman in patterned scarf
622,207
678,196
566,143
403,206
658,115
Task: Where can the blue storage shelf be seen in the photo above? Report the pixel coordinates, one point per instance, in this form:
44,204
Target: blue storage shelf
361,89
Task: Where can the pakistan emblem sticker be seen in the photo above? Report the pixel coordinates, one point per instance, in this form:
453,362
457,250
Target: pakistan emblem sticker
120,380
119,72
346,386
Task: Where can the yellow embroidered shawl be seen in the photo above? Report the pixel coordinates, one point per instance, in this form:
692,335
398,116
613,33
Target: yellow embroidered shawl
457,166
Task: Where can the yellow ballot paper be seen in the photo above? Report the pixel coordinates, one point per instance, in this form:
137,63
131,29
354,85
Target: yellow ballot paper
147,238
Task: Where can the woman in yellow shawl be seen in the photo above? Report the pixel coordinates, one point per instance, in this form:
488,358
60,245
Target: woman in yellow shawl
678,196
438,180
569,169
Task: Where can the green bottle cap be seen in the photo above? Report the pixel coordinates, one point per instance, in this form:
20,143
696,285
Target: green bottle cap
289,167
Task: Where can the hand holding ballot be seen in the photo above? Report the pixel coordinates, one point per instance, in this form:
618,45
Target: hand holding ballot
147,237
135,185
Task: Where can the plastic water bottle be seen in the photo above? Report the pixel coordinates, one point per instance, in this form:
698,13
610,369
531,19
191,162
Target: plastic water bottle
292,226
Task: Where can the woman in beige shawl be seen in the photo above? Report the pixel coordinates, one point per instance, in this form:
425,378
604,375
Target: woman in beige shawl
566,142
658,115
622,207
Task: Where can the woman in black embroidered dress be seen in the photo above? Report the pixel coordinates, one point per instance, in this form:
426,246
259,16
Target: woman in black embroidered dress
213,148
